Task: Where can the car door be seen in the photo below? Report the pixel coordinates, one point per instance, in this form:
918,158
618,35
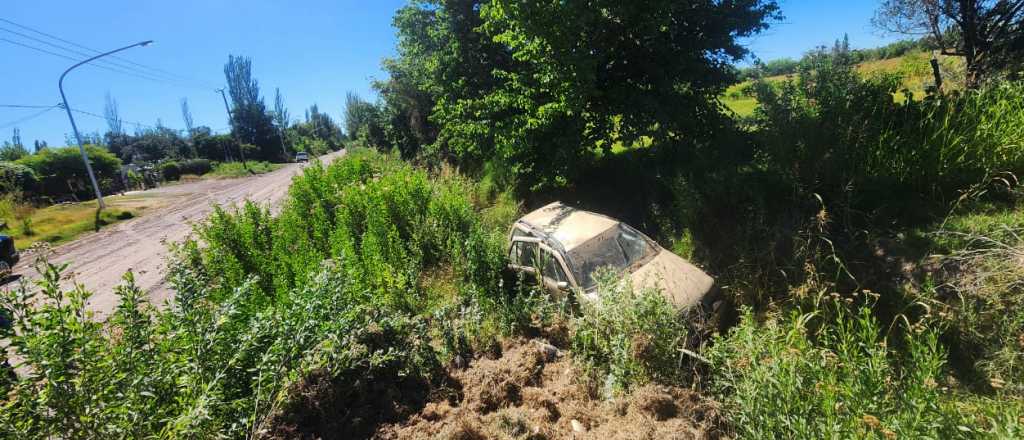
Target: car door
523,257
553,272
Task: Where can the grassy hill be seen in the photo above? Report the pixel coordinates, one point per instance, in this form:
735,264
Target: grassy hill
915,69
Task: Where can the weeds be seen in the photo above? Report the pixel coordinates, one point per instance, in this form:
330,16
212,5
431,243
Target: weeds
837,378
628,338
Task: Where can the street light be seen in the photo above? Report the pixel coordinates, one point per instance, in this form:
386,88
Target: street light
81,148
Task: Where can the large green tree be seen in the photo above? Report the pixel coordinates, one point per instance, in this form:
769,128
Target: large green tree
251,122
539,86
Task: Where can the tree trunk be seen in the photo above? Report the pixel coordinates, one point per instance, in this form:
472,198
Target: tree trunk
969,28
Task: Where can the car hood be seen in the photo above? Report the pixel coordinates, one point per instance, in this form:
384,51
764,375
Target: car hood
683,283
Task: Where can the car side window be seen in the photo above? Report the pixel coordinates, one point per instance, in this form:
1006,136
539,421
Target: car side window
552,268
524,254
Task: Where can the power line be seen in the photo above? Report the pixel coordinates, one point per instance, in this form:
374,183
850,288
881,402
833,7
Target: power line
153,69
136,124
24,106
32,116
102,66
87,55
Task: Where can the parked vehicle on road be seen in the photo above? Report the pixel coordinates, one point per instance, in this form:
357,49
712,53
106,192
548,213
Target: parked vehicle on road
9,256
563,249
302,156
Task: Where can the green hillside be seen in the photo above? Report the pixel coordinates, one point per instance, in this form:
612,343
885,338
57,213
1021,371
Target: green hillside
914,68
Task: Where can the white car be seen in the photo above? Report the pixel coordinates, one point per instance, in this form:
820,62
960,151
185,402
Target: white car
564,247
302,156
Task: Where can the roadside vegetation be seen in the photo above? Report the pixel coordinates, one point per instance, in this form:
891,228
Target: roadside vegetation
869,250
237,169
64,222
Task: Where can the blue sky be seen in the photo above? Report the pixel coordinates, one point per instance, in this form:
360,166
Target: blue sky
314,50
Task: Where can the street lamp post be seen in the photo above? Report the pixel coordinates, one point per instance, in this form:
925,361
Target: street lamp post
81,148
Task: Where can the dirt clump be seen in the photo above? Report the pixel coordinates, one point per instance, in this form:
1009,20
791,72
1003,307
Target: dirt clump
532,391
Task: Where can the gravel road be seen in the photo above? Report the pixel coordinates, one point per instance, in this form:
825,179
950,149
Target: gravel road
98,260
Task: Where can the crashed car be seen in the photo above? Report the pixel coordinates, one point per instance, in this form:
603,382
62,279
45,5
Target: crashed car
564,248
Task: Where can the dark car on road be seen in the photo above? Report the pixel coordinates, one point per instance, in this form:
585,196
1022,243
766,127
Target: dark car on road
9,256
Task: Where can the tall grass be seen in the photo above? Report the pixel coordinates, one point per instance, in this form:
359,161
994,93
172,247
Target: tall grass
832,373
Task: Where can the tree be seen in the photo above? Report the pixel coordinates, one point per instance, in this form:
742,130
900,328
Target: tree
186,115
592,74
281,118
115,125
14,149
252,123
988,34
363,121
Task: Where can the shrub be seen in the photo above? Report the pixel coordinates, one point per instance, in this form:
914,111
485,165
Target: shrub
61,170
279,323
196,167
15,177
630,338
832,373
170,170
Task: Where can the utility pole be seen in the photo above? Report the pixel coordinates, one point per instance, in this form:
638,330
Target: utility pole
74,127
232,120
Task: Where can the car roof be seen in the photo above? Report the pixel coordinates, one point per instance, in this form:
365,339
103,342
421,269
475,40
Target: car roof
571,227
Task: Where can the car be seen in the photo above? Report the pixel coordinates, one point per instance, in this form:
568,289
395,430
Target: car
302,156
563,248
9,256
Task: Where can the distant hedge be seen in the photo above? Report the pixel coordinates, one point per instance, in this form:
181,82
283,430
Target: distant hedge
17,177
173,170
61,171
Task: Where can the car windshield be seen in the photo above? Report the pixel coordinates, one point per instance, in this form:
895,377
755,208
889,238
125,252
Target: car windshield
616,249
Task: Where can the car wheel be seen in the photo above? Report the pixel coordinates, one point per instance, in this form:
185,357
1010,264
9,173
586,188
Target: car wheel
5,270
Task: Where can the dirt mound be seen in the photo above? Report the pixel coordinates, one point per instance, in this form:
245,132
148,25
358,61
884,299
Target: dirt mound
320,406
531,392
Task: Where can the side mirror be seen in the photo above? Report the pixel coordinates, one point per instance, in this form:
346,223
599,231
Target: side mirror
562,285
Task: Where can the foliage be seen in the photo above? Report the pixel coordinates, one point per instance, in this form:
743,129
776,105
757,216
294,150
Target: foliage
363,122
15,177
789,66
318,132
220,147
61,170
537,87
630,338
170,170
988,34
831,373
976,296
13,150
251,122
195,167
237,169
173,170
330,289
830,127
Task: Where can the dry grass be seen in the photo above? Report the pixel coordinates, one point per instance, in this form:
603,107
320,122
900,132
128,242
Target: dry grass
64,222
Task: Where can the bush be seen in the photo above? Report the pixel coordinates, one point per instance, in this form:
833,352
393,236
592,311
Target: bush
61,170
832,373
170,170
830,129
630,338
15,177
196,167
279,323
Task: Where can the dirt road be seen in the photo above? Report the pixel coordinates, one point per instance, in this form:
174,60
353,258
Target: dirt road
99,260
